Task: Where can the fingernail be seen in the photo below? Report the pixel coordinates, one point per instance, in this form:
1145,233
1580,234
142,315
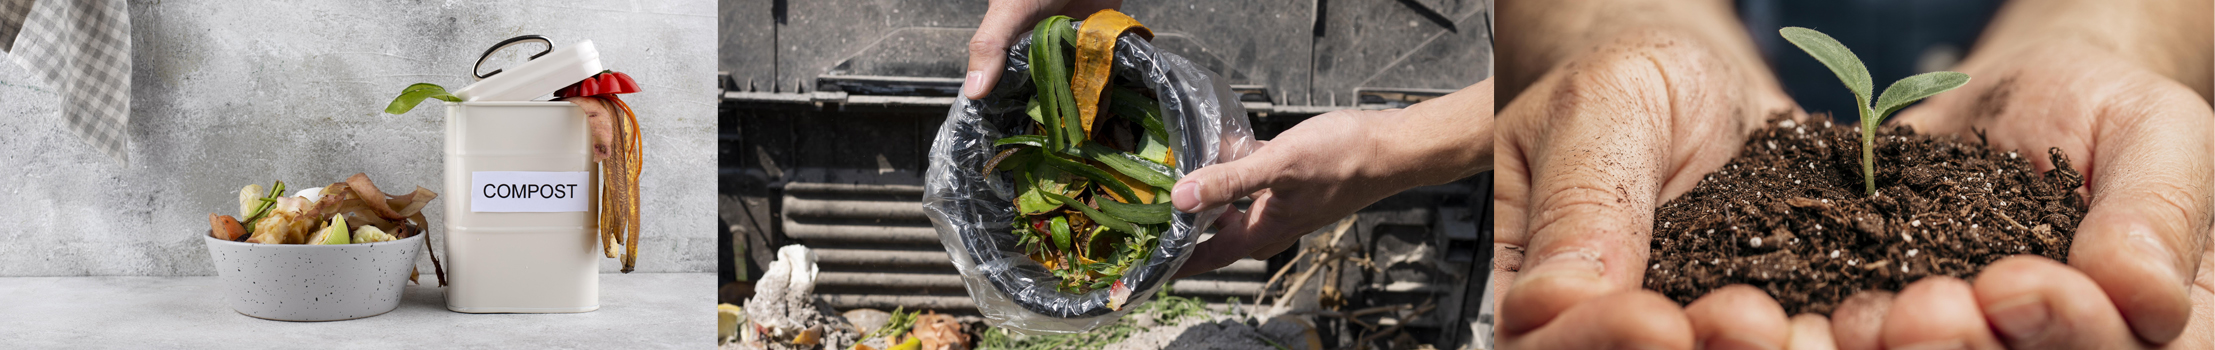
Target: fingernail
1186,196
1581,263
1735,342
973,85
2021,318
1936,345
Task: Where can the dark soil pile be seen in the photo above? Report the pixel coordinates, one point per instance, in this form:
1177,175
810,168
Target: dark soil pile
1790,215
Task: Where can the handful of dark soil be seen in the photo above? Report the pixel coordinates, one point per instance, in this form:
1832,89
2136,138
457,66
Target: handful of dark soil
1789,215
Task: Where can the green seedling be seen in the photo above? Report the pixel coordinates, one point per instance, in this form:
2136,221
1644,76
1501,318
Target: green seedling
1856,76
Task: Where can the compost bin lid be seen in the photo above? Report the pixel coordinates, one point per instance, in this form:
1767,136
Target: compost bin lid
544,73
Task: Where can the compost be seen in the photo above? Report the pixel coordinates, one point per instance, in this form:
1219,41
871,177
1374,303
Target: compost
1789,215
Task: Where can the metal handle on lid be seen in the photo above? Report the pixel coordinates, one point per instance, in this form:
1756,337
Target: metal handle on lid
474,70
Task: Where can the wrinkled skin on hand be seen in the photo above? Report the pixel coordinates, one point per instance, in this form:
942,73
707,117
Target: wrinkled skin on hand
1585,154
2138,274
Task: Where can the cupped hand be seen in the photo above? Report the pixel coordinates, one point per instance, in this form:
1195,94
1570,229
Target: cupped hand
2137,275
1585,155
1005,19
1331,165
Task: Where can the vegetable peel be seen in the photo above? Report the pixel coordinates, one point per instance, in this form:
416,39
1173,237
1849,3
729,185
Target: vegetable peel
1095,53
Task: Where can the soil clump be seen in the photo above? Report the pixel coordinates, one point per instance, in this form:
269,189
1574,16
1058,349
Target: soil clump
1790,215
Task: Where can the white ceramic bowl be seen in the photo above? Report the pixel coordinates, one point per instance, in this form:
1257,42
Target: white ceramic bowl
297,282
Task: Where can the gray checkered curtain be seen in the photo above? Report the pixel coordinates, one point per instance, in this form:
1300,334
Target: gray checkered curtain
82,48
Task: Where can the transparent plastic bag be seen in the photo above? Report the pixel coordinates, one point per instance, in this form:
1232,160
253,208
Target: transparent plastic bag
972,212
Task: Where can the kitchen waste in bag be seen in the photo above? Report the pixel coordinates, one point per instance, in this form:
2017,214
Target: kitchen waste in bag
975,207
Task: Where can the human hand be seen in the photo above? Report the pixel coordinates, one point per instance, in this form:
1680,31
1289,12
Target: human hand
1586,154
1329,166
1665,94
2139,275
1003,20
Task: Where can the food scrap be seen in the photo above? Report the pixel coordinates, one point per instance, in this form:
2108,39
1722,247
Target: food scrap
1093,194
616,148
348,212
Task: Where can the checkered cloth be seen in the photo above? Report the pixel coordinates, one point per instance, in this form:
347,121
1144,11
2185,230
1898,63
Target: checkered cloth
83,49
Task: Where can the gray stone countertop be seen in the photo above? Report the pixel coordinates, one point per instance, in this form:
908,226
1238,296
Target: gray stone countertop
637,311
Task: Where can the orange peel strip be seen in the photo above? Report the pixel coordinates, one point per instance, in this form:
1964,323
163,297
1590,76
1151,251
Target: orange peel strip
1095,53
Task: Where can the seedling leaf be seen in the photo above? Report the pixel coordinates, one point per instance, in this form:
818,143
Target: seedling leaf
1833,55
1911,89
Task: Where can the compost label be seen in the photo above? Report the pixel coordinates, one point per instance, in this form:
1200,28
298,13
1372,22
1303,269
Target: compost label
530,191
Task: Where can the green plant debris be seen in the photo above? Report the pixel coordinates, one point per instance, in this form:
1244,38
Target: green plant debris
1856,76
1088,206
1165,310
415,94
898,324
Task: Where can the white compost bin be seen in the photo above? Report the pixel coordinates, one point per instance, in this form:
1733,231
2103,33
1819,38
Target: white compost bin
520,230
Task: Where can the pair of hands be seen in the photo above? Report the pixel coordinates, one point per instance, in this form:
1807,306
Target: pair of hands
1590,148
1308,176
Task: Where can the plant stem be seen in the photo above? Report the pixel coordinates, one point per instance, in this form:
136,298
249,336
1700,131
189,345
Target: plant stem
1869,121
1868,159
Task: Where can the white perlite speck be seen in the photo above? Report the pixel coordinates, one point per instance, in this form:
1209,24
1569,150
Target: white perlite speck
1911,252
1910,239
1834,254
1756,242
1916,223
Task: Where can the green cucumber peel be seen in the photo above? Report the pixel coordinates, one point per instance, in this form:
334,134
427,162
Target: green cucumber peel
1132,165
1090,172
1138,213
1097,217
1050,73
1136,107
1025,140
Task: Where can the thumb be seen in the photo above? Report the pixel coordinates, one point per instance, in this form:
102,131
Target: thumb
988,48
1217,185
2141,238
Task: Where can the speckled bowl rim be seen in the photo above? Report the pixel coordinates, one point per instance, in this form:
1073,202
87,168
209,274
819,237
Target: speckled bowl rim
209,236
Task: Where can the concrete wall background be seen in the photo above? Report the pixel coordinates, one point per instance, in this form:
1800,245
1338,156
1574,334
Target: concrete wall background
229,93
